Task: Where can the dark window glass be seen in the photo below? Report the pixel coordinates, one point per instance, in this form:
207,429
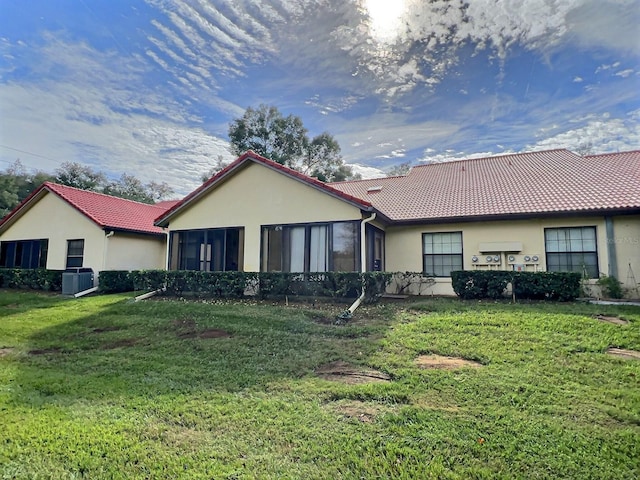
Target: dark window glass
311,247
216,250
75,253
24,254
442,253
572,249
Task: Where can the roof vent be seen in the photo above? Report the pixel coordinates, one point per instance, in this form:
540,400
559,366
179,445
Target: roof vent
375,189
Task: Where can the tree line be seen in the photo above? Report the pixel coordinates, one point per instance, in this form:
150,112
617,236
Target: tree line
16,183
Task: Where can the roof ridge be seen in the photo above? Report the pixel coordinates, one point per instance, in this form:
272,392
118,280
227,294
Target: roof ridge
85,191
626,152
365,179
498,156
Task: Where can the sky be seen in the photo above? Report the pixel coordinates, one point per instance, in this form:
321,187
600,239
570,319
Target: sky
149,87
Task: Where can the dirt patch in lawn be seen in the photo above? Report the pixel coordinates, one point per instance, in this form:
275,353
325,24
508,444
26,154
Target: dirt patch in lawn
123,343
623,353
362,411
613,320
439,362
345,373
6,351
210,333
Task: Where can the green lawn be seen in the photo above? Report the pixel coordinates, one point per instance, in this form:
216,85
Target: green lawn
103,387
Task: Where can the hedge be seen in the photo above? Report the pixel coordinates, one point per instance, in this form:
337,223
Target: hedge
476,284
35,279
237,284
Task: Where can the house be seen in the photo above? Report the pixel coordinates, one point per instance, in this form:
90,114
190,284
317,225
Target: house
59,227
540,211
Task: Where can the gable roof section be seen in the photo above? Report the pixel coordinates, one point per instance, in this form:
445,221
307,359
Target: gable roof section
109,213
243,161
547,182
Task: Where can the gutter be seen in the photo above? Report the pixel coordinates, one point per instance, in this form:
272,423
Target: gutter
348,313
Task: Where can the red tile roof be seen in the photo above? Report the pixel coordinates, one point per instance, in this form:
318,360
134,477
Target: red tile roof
252,157
109,213
547,182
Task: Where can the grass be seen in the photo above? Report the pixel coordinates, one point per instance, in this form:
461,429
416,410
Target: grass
102,387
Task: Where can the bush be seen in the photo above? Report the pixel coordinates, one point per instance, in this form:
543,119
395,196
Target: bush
115,281
235,284
34,279
477,284
611,287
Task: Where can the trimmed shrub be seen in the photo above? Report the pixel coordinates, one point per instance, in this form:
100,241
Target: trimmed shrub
235,284
115,281
34,279
477,284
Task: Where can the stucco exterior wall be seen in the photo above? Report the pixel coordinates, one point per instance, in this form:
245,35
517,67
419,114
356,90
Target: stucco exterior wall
627,244
404,244
53,218
257,196
134,252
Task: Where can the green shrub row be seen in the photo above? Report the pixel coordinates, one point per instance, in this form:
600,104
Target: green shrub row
561,286
35,279
237,284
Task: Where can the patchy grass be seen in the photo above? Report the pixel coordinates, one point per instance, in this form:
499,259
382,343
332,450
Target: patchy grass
102,387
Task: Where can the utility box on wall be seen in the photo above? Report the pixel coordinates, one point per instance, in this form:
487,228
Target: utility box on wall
75,280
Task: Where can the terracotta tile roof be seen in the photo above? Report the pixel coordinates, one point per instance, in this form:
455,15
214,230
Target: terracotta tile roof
247,158
109,213
545,182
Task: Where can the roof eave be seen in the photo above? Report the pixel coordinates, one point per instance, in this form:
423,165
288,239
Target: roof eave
518,216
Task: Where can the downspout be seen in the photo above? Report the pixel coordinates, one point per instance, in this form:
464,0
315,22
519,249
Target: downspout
348,313
104,255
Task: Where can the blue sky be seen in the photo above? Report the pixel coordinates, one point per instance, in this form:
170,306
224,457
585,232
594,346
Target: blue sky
149,87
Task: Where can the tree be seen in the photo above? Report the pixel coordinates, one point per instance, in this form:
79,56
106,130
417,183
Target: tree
16,184
132,188
80,176
219,165
399,170
284,140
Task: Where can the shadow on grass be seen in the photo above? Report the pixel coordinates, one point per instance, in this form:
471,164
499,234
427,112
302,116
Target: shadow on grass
160,347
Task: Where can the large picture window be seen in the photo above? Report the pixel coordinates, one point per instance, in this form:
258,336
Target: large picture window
75,253
212,250
24,254
311,247
442,253
572,249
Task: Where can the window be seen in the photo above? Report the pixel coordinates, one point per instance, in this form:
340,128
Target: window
311,247
375,249
75,253
24,254
572,249
213,250
442,253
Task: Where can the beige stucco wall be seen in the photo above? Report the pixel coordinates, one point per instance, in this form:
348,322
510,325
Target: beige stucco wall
135,252
54,219
404,244
627,244
257,196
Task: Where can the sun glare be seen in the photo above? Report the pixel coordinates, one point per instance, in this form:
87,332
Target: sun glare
385,17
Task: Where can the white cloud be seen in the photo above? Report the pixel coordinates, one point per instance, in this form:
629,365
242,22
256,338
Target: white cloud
624,73
597,133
